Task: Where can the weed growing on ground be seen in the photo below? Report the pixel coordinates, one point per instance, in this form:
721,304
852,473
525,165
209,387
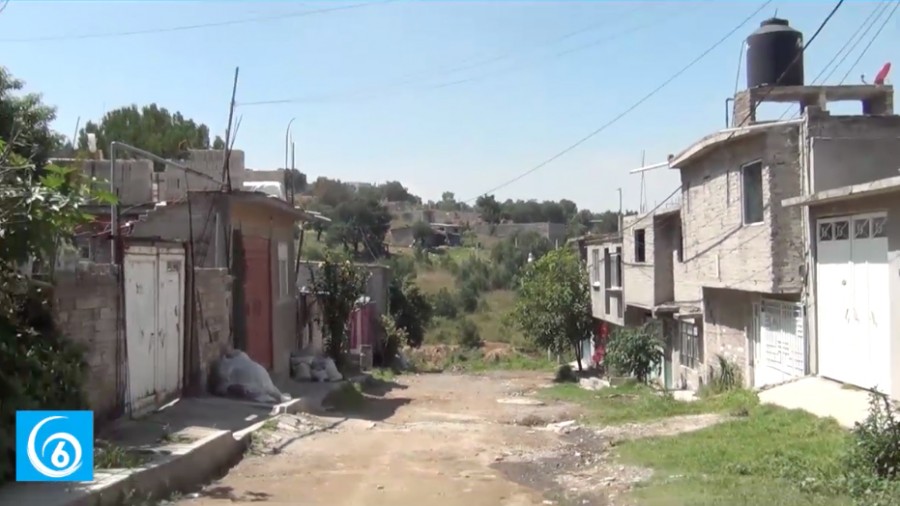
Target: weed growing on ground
565,374
108,455
633,402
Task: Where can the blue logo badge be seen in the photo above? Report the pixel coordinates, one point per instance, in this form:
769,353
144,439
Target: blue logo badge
54,446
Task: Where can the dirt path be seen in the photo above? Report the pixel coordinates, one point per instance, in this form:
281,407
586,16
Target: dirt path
435,440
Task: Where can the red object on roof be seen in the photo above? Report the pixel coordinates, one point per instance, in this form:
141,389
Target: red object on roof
882,74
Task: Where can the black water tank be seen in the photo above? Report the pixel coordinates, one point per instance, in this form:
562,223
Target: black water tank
771,52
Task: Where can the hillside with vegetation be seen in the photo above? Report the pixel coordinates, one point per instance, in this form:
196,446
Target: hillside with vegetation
457,299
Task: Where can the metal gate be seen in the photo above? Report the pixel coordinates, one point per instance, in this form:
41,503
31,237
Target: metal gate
258,299
154,298
779,342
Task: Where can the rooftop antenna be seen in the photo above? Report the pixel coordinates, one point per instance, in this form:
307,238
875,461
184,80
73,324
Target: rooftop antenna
643,184
776,13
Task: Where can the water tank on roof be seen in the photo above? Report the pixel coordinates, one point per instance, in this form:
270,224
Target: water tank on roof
775,51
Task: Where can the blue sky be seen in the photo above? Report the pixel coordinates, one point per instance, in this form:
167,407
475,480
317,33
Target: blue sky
457,96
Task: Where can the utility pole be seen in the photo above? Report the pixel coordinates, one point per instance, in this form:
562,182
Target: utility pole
292,172
620,210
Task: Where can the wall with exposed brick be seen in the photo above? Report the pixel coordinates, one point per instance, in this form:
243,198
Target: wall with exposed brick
719,250
86,303
175,182
212,318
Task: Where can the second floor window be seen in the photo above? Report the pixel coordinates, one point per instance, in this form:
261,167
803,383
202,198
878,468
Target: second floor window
640,246
595,266
751,193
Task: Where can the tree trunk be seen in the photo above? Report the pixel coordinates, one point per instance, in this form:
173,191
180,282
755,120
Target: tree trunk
578,355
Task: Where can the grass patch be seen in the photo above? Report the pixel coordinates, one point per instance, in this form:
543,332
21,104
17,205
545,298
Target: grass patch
431,281
772,456
638,403
347,397
451,358
383,374
111,456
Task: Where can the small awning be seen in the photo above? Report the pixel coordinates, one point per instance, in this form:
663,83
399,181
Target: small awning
844,193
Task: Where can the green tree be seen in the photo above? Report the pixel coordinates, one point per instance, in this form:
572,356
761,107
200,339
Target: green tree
360,225
422,233
337,284
151,128
410,308
394,191
553,307
25,123
489,208
40,208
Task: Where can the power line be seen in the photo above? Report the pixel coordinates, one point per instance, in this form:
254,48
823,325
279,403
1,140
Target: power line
197,26
634,106
880,9
851,42
874,37
768,91
424,76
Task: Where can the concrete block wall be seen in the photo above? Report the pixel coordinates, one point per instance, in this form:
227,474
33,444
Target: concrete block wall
175,182
86,305
727,321
133,183
212,318
784,174
639,277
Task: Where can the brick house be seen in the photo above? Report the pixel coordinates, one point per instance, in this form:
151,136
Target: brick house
744,252
651,244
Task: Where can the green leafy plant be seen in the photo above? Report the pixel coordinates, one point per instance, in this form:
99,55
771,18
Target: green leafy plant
872,464
553,307
469,336
634,351
725,375
337,283
444,304
394,338
565,374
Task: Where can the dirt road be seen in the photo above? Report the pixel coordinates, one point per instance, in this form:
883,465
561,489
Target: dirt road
435,440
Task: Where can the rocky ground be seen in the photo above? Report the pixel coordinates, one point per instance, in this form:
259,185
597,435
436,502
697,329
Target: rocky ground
439,440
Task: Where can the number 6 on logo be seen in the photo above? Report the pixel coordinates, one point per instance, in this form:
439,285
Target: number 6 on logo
54,446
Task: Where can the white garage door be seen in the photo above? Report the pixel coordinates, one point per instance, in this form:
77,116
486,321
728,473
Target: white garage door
853,312
779,343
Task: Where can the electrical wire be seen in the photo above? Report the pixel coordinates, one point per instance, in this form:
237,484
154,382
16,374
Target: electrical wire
881,8
851,42
634,106
197,26
872,40
424,76
749,114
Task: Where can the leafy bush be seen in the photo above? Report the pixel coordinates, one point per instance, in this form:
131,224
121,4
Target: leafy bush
444,304
410,308
872,464
468,299
565,374
394,337
724,376
636,352
469,336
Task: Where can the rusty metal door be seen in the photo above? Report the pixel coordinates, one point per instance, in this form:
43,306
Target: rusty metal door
258,299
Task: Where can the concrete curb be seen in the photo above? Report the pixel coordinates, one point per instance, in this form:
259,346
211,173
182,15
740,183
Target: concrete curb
181,468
